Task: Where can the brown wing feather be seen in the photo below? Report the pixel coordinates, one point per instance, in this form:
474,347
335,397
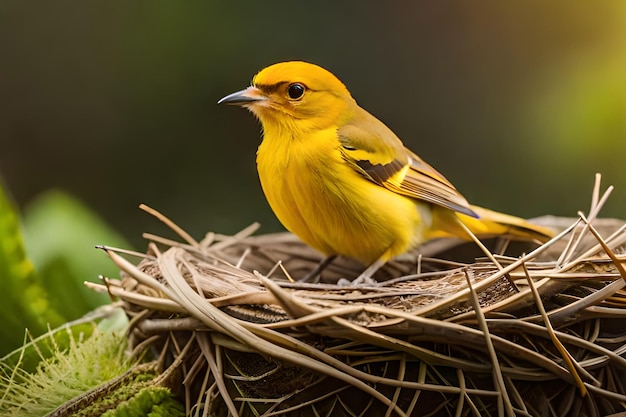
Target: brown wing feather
425,182
374,151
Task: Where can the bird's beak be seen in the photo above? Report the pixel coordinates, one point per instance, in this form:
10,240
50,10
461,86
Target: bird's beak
243,97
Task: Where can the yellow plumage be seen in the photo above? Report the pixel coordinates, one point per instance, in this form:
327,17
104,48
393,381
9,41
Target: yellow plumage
343,181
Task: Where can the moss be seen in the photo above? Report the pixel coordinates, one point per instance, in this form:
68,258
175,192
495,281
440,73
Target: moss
64,376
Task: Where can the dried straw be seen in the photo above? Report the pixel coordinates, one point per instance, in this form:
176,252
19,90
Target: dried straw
541,334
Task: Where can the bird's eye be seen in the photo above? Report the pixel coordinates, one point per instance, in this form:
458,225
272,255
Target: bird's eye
295,91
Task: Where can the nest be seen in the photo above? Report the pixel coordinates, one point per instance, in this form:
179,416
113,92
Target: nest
540,334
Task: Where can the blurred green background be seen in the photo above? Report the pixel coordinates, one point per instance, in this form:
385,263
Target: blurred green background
518,104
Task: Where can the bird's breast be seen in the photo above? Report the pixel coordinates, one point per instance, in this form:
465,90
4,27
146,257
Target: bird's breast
320,198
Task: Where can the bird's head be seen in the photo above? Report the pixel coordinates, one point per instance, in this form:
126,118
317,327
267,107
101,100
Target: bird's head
295,95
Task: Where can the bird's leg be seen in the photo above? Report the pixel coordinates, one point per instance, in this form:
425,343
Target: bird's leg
313,276
366,276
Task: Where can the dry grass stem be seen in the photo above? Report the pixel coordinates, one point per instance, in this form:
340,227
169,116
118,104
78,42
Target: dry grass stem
523,330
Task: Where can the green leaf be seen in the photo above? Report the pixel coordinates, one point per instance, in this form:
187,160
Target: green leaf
61,234
24,301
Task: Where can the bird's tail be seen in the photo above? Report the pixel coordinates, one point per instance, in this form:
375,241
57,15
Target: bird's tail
492,223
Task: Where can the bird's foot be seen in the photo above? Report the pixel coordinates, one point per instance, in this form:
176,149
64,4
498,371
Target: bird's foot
361,280
365,279
314,275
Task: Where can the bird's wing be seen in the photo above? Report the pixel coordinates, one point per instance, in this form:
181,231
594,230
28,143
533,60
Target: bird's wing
375,152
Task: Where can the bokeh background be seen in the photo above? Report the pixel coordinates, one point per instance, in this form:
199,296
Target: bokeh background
519,104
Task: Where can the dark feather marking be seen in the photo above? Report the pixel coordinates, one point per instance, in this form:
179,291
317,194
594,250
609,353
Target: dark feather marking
270,88
380,172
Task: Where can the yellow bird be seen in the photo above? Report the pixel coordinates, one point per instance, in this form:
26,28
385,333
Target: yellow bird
342,181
